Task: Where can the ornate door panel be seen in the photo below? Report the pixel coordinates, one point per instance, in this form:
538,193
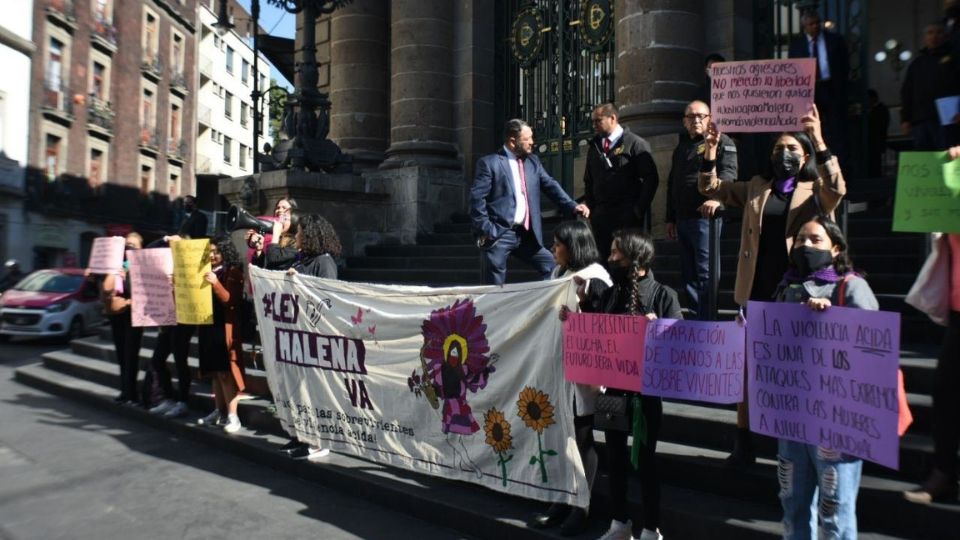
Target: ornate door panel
554,63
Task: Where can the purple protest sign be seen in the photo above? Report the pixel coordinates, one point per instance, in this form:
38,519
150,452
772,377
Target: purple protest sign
604,350
825,378
695,360
761,95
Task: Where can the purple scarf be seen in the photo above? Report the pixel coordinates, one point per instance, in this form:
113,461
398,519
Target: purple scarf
827,273
785,186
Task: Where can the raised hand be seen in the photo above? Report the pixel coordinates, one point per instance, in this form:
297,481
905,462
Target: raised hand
711,140
811,125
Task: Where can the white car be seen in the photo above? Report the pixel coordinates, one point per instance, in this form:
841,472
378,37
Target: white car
57,302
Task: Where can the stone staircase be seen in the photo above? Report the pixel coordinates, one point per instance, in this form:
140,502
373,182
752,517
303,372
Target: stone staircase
701,498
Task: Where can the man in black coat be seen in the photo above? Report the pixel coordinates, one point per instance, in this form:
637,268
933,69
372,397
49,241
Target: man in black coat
689,212
620,178
833,71
194,223
934,73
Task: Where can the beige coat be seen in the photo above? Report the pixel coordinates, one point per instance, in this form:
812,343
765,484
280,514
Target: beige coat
752,196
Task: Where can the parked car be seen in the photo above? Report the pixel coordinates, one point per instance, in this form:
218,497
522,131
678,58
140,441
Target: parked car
56,302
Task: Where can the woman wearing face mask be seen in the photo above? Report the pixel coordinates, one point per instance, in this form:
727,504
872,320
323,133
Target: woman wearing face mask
634,292
576,254
805,182
820,275
282,251
115,295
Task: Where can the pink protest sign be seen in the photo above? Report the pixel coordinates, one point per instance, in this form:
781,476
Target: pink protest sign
825,378
106,255
761,95
151,290
604,350
695,360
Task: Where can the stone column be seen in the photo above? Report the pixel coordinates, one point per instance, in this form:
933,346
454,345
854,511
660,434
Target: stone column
421,85
359,116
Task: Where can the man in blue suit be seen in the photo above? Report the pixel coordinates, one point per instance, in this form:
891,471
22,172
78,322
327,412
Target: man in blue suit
505,205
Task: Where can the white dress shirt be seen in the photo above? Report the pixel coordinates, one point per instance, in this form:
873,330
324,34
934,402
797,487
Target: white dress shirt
614,136
521,211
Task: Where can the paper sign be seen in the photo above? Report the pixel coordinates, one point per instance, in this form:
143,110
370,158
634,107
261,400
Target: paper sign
604,350
924,203
694,360
761,95
150,287
948,108
825,378
191,261
951,175
106,255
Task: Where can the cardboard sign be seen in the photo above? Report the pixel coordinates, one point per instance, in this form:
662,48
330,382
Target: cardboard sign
106,255
924,202
761,95
825,378
604,350
150,288
694,360
191,260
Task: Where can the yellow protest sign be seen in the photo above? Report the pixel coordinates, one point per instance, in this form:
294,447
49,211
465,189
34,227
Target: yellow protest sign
191,261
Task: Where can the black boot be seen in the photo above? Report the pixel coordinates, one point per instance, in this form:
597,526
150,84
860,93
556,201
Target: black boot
554,515
575,523
938,487
743,455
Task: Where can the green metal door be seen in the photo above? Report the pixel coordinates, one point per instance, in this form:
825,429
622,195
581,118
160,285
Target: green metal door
554,63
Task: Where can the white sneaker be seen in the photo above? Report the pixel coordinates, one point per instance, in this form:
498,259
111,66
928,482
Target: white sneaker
211,419
647,534
619,530
243,396
316,452
179,409
163,407
233,424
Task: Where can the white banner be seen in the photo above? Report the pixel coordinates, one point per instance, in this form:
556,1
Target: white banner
463,383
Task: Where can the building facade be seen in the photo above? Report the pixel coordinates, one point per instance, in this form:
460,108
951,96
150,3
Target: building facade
224,101
112,119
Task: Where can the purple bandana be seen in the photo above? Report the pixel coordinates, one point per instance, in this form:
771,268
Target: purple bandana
785,186
827,273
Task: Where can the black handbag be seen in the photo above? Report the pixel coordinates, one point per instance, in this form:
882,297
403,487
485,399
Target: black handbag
612,413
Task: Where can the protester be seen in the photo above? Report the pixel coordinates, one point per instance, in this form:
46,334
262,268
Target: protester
194,224
820,275
115,295
620,178
934,73
169,338
281,252
941,485
832,76
221,352
634,292
575,252
505,205
689,212
805,181
11,274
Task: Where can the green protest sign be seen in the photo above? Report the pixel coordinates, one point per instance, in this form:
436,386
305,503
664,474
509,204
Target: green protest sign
924,203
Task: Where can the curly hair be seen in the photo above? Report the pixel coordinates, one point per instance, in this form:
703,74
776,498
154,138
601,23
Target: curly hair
228,251
638,249
318,237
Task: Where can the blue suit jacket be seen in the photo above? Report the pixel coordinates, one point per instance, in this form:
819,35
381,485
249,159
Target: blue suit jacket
492,202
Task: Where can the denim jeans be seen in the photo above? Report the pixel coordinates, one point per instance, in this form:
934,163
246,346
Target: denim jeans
694,237
817,483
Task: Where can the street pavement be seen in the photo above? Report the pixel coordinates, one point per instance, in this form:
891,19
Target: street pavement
71,471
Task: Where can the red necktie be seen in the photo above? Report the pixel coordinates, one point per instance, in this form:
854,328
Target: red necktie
606,145
523,189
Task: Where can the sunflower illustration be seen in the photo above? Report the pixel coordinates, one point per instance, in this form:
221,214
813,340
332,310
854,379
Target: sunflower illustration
535,409
498,437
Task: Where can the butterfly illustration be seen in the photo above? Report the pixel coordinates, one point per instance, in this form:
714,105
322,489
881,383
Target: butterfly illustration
372,329
358,318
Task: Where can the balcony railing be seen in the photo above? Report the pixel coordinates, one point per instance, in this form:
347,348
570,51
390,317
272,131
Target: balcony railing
103,32
151,65
178,81
205,166
149,137
56,97
206,67
100,113
62,10
176,148
204,115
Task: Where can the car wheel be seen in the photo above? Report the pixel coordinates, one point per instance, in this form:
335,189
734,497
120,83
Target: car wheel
75,331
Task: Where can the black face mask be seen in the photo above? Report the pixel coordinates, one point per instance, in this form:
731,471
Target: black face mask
809,259
786,164
619,274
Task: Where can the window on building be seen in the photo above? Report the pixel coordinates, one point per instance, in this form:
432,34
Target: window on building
173,185
146,179
216,40
98,83
101,10
95,175
53,150
174,125
176,54
245,72
148,107
243,113
213,135
229,59
243,157
55,65
227,144
263,83
228,104
151,35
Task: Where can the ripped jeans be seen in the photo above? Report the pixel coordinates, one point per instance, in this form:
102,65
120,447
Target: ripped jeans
818,483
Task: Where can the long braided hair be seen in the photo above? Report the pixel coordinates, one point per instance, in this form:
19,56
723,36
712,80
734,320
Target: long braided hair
638,249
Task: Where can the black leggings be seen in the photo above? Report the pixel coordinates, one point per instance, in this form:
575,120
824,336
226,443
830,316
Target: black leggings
175,339
946,401
618,454
126,342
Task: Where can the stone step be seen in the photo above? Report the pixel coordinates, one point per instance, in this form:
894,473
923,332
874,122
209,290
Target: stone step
725,504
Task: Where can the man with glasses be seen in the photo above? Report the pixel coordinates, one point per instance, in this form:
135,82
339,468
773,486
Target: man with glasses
620,178
689,212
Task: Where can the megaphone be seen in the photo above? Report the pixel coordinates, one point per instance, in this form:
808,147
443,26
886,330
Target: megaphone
238,218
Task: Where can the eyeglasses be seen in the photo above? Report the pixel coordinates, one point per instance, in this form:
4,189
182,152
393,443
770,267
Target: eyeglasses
700,117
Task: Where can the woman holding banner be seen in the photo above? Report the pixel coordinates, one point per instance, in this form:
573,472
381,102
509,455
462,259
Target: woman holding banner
576,254
820,275
115,295
221,352
634,292
804,181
